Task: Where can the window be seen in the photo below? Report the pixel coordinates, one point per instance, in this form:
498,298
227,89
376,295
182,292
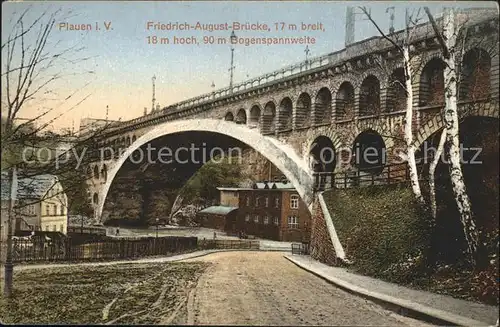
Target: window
257,200
266,220
62,211
54,206
248,201
235,193
247,218
276,221
31,209
267,202
47,210
256,219
61,228
293,222
54,228
47,228
294,201
277,202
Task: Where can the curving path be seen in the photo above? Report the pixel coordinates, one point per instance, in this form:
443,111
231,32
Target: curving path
263,288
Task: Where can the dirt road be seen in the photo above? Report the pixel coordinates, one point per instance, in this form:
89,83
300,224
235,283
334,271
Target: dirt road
263,288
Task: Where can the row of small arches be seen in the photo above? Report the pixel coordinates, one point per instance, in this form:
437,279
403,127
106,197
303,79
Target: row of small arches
474,84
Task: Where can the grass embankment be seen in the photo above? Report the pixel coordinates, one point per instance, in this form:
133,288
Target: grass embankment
380,229
388,237
121,294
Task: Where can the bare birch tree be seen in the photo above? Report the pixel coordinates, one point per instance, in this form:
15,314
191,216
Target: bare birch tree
448,42
37,73
403,47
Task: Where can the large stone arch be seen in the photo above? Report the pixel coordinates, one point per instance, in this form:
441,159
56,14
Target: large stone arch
281,155
436,123
377,127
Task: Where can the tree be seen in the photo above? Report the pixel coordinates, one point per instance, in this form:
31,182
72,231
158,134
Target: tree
403,47
36,74
448,42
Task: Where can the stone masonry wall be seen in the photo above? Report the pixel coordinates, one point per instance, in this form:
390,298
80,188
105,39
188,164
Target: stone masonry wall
321,245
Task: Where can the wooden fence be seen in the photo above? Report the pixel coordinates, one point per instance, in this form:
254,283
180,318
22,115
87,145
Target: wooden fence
228,244
27,250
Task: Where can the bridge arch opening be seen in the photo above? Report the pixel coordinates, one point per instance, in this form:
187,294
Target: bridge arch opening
396,93
369,96
269,118
285,114
229,116
432,83
369,152
255,116
303,111
323,106
104,172
241,117
480,166
323,159
475,76
96,172
212,134
344,102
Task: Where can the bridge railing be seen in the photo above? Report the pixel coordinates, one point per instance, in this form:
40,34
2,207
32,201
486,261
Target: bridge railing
381,175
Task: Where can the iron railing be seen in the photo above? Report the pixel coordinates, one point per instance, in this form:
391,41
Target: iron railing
300,248
381,175
36,250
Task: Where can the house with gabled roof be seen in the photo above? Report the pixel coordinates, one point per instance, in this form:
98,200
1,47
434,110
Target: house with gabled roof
40,204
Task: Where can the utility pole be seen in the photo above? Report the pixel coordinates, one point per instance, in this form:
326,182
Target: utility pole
307,54
350,24
107,111
233,40
391,18
153,99
9,268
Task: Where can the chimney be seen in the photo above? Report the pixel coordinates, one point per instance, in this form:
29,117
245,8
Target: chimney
145,111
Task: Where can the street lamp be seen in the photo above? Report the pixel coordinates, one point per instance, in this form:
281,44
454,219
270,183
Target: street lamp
233,40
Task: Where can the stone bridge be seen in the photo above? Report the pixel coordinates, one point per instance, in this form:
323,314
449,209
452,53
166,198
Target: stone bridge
347,100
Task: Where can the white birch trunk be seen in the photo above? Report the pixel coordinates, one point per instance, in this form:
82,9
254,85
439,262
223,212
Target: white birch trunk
432,170
452,135
408,133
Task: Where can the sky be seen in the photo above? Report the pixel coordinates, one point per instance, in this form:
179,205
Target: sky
120,63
